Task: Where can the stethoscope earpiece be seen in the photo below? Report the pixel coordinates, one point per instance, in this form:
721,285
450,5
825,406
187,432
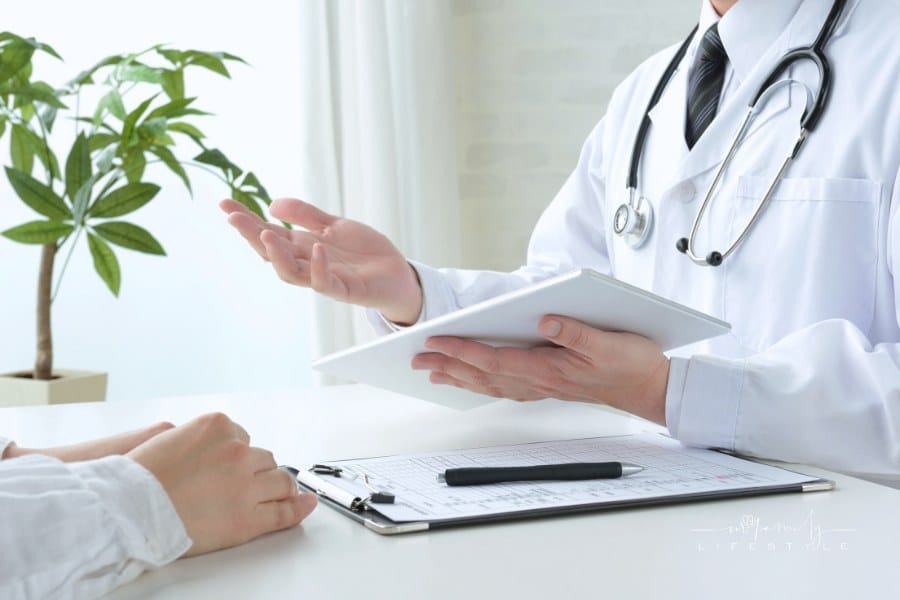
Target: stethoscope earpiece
713,259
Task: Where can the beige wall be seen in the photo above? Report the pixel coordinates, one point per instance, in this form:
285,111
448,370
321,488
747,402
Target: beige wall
533,77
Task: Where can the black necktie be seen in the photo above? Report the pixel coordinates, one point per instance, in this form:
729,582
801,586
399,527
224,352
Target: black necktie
705,85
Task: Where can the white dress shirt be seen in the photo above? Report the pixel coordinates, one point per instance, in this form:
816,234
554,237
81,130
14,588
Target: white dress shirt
811,370
78,530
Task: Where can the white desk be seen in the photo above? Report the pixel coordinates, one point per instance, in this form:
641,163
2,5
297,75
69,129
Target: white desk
660,552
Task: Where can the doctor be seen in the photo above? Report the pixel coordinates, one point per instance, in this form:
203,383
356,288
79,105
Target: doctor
811,370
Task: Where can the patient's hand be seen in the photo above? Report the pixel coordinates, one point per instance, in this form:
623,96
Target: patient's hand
225,491
341,258
116,444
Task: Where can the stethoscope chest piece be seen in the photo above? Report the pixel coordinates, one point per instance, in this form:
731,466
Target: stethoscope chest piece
633,222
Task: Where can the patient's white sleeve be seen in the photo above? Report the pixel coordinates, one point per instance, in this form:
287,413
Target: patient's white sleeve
78,530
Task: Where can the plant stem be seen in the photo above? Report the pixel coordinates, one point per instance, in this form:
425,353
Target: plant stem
215,173
43,364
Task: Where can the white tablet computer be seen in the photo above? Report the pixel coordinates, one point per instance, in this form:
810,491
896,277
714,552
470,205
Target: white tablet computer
512,320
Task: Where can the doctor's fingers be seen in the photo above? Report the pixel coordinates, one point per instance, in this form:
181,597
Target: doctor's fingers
235,209
580,337
496,388
301,213
330,277
466,373
289,268
516,362
251,228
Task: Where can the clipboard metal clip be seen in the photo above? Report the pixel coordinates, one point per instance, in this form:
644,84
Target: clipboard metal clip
375,496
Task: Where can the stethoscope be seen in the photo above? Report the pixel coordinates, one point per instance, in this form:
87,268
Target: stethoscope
634,220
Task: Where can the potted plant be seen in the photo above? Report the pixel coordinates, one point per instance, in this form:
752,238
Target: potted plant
81,196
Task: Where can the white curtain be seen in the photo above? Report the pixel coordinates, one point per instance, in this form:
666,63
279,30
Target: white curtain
378,141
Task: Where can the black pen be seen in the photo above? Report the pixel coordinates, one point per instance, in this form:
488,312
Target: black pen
561,472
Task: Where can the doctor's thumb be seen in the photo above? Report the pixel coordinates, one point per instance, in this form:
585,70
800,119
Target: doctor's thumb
568,333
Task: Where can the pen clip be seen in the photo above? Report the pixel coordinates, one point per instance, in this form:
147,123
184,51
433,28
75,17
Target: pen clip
319,469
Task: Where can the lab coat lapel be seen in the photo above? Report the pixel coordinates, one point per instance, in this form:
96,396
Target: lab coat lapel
668,116
713,145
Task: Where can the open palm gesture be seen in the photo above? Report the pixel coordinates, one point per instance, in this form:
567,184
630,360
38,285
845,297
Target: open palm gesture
341,258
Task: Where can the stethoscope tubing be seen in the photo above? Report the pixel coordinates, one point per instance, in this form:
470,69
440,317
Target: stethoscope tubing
640,216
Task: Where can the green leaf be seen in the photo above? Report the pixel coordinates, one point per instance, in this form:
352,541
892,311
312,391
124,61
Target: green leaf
129,236
251,181
48,49
132,119
105,159
34,93
171,161
47,115
152,128
90,121
105,263
9,36
13,57
123,200
139,72
38,232
101,140
216,55
173,83
78,166
87,76
134,165
26,108
248,201
41,150
187,129
112,102
207,60
170,109
20,149
2,126
173,56
216,158
83,197
38,196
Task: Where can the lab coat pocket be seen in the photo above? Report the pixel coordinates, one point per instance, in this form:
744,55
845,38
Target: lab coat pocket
811,256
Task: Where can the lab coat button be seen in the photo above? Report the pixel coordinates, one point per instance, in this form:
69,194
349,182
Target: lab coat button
684,191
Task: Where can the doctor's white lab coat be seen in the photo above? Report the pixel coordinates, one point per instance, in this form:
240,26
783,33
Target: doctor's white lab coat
811,370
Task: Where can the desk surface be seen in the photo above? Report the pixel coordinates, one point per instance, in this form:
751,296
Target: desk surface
821,545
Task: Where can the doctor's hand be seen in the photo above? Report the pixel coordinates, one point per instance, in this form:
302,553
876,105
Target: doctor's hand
623,370
225,491
341,258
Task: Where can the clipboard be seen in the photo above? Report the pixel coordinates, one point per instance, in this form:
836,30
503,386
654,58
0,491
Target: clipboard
673,474
512,319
